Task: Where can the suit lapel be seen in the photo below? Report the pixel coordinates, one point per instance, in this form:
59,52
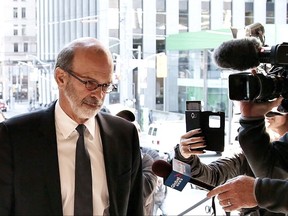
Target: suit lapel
107,139
50,156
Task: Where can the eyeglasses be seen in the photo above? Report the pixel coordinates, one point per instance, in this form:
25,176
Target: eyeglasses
272,114
92,85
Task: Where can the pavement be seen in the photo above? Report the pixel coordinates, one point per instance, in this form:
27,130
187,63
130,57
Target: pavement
16,109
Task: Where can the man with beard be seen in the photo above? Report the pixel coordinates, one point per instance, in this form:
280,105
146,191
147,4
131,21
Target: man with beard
39,161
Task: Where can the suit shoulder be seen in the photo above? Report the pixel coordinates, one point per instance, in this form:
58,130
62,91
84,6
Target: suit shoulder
32,118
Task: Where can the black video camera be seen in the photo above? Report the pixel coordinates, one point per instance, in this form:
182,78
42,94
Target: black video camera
263,86
269,82
212,125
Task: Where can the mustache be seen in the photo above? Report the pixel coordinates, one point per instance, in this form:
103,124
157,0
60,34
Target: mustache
93,101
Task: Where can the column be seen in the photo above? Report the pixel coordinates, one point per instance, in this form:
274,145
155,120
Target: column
170,82
216,14
238,14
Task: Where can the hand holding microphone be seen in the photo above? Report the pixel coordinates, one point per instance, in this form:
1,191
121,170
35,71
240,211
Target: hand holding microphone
177,175
236,193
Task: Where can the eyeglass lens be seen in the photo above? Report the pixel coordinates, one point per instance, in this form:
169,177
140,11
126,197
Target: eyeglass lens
104,87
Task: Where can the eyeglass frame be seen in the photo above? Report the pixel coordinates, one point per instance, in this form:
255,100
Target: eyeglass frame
109,86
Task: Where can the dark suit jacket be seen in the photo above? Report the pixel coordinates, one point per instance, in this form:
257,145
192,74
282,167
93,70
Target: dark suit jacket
267,160
29,172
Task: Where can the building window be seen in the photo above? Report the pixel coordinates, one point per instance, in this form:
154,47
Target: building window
249,15
183,16
25,47
15,47
23,30
287,12
15,30
23,12
15,12
205,15
227,18
160,17
270,13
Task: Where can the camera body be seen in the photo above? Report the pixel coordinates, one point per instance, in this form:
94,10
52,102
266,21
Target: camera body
212,125
258,87
263,86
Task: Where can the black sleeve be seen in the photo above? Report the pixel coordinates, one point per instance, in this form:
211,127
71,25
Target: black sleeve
266,159
271,194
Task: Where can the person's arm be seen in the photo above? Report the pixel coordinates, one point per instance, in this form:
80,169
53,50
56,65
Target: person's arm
215,173
271,194
255,143
149,178
266,159
235,194
248,192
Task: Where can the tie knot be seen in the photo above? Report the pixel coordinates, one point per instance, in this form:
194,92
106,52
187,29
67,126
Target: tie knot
80,129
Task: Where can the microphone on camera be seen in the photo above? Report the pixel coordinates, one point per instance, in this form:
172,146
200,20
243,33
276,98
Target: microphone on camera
238,54
177,175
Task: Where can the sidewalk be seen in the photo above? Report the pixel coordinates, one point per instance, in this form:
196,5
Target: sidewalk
16,109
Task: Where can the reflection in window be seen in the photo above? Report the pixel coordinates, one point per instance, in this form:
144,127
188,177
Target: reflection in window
183,65
205,15
227,17
15,30
15,12
160,17
15,47
270,14
183,15
25,47
114,41
23,30
287,12
23,12
249,16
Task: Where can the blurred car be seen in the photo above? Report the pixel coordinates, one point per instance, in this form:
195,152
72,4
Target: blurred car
3,106
164,136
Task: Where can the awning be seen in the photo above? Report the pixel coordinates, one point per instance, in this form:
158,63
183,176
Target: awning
207,39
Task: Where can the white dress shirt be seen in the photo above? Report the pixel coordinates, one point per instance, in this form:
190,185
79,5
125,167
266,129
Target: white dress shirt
66,144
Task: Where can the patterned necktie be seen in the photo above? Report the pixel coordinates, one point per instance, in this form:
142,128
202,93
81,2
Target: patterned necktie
83,178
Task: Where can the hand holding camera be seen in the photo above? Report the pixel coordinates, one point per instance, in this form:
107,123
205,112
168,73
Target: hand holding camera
250,109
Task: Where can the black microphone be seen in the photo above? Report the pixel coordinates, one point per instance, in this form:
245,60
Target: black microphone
176,175
238,54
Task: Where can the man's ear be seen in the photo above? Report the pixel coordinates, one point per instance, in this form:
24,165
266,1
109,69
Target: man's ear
60,77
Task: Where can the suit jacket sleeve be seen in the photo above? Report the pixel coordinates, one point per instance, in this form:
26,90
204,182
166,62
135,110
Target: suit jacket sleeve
271,194
6,176
266,159
149,180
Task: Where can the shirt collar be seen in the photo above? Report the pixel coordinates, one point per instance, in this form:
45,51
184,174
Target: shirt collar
66,126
